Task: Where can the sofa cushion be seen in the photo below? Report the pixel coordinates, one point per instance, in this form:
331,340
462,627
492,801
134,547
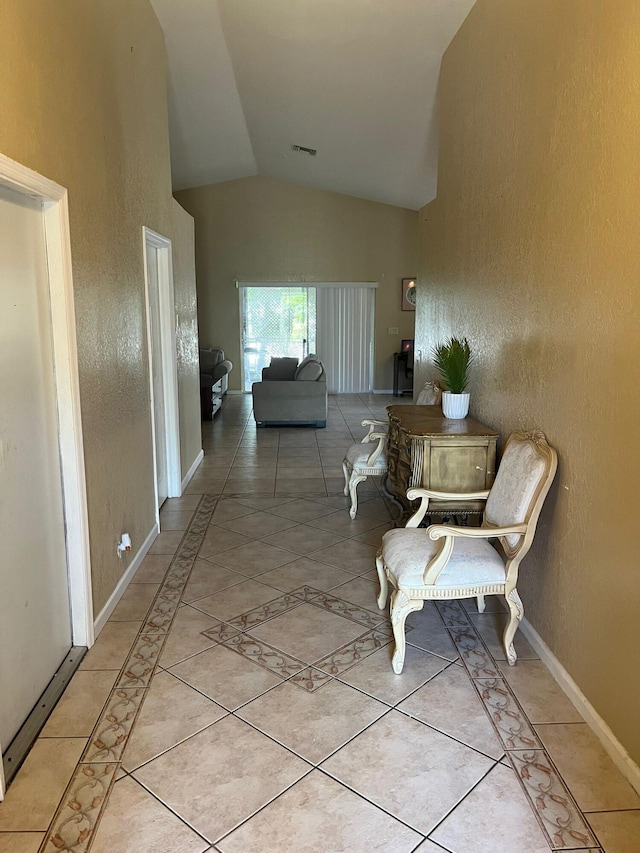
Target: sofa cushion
310,372
280,369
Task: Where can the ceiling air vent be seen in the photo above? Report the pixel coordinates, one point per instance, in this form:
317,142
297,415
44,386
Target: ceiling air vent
310,151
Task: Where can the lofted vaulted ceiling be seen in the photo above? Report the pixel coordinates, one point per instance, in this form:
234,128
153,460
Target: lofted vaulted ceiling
354,79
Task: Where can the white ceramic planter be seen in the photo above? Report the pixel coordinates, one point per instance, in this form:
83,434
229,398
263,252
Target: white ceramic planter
455,406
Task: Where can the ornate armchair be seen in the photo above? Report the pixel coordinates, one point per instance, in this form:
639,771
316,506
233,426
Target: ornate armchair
364,460
445,561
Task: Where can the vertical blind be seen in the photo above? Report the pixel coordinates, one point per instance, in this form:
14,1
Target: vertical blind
344,334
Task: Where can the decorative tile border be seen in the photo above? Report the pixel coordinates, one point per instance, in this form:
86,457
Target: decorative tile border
352,653
557,811
79,811
265,655
510,721
81,808
310,679
560,818
261,614
220,632
350,611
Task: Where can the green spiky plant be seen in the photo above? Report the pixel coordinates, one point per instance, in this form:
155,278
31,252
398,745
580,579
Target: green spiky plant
453,360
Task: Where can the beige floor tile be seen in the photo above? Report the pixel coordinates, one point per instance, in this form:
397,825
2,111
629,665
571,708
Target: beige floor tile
374,536
233,770
540,695
312,724
308,633
376,677
112,646
218,539
149,826
494,816
226,677
264,504
428,632
258,524
175,519
172,712
166,543
318,815
618,832
305,572
185,637
449,703
592,777
491,627
152,569
33,797
211,486
254,558
429,847
229,509
184,502
237,599
360,591
341,522
301,510
20,842
303,539
350,555
134,603
76,713
208,577
405,768
376,508
302,486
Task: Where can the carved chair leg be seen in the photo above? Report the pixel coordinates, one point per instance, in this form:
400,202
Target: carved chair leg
481,604
382,577
353,485
347,473
516,612
401,607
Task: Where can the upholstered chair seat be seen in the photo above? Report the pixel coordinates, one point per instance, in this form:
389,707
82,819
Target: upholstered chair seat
449,562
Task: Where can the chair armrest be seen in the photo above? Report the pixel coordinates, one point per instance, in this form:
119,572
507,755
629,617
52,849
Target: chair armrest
381,438
372,424
426,495
437,531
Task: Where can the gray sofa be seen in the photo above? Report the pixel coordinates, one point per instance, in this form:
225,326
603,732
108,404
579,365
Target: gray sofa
291,393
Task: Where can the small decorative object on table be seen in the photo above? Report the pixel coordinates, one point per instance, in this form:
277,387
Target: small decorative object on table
452,360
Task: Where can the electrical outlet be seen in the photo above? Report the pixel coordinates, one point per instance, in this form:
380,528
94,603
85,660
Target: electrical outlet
392,330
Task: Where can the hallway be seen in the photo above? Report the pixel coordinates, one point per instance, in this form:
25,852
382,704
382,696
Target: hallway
245,701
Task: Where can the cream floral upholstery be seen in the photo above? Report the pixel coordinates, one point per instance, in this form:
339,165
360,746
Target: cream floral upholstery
445,561
365,460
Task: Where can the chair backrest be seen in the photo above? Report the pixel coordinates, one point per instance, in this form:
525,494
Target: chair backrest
524,477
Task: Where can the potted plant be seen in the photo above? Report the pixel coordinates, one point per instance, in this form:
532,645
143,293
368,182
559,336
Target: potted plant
452,360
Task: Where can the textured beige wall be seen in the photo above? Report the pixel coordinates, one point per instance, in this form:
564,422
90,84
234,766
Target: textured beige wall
260,229
184,283
531,249
84,103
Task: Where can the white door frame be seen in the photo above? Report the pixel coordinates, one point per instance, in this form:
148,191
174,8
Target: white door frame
169,361
55,211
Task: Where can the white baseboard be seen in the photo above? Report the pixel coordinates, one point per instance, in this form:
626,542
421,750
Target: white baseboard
616,751
187,477
124,581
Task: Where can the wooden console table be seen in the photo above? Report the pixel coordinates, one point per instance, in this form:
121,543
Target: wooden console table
427,450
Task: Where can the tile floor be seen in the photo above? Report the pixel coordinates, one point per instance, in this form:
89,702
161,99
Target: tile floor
241,698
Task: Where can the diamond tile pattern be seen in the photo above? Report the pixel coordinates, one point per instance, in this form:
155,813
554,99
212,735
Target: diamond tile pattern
252,704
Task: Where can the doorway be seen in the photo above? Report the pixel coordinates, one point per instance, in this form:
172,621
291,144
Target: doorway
45,606
163,377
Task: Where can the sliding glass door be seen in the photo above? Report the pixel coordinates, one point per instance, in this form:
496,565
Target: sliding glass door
276,322
333,319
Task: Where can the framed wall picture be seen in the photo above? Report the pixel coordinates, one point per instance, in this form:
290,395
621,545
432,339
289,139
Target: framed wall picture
408,294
